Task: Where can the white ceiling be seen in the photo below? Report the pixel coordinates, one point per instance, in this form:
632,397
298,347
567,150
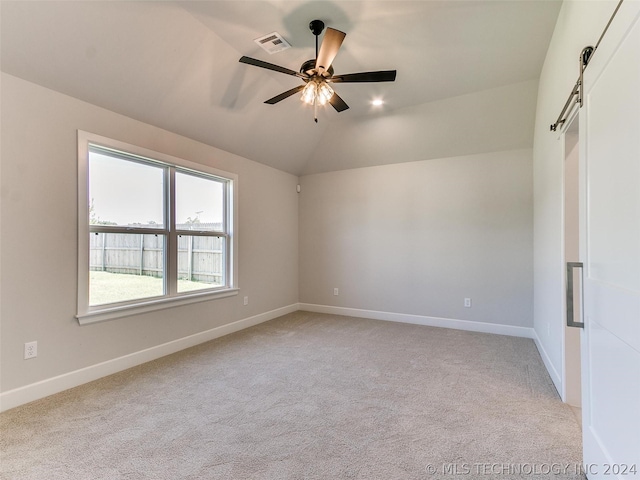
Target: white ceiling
465,83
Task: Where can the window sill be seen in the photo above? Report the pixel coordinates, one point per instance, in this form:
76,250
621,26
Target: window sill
152,305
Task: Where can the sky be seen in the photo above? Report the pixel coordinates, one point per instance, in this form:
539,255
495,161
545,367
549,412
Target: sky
127,192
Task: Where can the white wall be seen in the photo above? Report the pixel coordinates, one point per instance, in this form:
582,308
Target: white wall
417,238
580,23
39,225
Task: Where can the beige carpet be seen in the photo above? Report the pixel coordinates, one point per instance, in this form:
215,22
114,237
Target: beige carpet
308,396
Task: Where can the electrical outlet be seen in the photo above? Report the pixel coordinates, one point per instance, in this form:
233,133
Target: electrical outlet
467,303
245,301
30,350
336,291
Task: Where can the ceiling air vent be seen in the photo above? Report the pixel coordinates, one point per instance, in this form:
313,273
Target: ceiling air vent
273,42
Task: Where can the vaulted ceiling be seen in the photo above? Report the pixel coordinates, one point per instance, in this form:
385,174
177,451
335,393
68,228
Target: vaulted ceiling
466,83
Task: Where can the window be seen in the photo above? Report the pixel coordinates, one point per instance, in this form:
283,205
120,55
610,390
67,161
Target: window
153,230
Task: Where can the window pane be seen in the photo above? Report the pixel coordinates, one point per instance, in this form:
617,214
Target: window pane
123,192
125,267
201,262
199,203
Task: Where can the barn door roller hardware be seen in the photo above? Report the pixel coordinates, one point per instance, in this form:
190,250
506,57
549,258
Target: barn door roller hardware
577,91
585,56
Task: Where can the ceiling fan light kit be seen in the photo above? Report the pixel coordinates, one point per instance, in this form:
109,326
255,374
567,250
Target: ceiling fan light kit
318,73
317,91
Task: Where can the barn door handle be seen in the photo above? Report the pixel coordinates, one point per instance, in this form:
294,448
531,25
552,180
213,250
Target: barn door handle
570,303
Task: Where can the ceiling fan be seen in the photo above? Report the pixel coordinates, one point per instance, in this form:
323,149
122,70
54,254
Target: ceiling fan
317,73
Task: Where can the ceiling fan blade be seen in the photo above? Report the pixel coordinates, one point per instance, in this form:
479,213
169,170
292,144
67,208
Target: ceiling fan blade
337,103
271,66
381,76
282,96
329,49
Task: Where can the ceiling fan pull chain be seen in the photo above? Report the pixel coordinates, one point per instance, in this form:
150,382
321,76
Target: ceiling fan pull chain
315,109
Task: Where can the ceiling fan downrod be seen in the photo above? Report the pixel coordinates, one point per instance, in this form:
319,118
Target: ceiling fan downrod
316,27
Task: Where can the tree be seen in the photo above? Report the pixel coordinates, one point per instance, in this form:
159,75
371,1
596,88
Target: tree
95,219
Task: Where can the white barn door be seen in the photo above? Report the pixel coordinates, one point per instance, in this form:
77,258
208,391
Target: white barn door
610,251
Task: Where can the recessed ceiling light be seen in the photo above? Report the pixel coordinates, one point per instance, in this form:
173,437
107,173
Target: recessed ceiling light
377,102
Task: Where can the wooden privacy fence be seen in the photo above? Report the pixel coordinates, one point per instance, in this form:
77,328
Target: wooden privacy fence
200,258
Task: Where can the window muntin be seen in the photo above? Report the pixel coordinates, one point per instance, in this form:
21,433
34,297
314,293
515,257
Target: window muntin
138,253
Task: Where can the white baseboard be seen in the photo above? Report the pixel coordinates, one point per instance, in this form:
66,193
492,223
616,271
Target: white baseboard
44,388
553,373
494,328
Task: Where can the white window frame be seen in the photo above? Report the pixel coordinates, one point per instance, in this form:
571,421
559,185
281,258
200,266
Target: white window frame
97,313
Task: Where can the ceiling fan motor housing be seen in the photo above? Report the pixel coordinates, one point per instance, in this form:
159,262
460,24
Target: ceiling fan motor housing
309,66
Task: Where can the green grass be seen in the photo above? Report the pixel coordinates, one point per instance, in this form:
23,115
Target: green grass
105,287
